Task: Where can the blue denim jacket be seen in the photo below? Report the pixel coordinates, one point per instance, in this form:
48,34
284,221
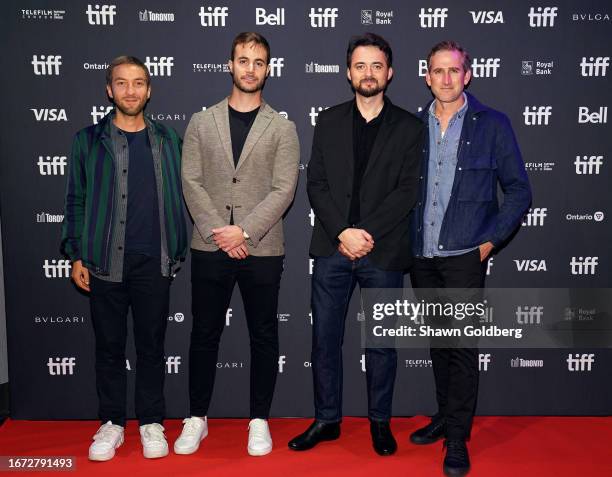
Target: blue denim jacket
487,154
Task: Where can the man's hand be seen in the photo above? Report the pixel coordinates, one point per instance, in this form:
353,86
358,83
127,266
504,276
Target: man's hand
343,250
228,237
356,242
239,252
485,250
80,275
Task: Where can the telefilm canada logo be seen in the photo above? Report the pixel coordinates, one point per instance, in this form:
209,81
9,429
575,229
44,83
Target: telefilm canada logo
210,67
39,14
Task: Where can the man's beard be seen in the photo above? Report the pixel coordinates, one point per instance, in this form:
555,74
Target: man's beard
133,110
248,89
368,93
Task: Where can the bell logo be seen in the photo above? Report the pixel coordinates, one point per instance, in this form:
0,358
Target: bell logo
314,114
98,112
57,268
580,362
588,164
276,67
160,67
487,17
594,66
272,19
423,68
485,67
483,361
46,114
172,364
323,17
530,265
61,366
596,117
584,266
282,360
537,115
213,16
542,17
46,65
101,14
434,18
51,166
529,315
535,217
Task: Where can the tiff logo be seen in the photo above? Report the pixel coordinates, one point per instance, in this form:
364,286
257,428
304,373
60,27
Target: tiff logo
584,266
101,14
483,361
588,164
542,17
529,315
61,366
49,65
282,360
98,112
485,67
537,115
580,362
314,114
273,19
595,66
160,67
276,67
57,268
596,117
323,17
172,364
213,16
535,217
52,166
434,18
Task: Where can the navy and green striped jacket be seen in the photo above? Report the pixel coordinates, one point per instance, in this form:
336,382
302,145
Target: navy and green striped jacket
88,213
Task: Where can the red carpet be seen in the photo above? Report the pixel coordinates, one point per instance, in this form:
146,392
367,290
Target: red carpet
500,446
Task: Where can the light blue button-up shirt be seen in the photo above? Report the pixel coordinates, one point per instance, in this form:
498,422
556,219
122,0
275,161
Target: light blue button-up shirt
442,163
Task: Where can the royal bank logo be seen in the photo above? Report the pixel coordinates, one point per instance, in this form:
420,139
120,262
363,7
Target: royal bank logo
537,115
530,265
595,216
61,366
580,314
583,265
282,360
57,268
149,16
28,14
526,363
98,112
535,217
580,362
484,360
539,166
537,68
262,17
529,315
52,165
314,67
588,164
59,320
172,364
323,17
46,65
485,67
433,17
376,17
210,68
596,17
542,17
161,66
101,14
594,66
47,218
418,363
213,16
314,114
487,17
585,116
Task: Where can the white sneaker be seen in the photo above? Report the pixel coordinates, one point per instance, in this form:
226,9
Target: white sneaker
195,429
108,437
260,441
154,443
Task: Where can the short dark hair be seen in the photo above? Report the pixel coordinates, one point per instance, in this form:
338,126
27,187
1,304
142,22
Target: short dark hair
126,60
251,37
450,45
369,39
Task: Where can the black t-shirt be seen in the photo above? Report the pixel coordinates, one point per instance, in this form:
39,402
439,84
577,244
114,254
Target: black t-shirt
142,230
240,125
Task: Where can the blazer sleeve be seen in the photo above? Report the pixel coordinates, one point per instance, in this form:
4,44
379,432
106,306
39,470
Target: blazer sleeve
205,215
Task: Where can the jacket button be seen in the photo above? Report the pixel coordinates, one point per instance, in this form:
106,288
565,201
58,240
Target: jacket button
227,207
234,180
420,203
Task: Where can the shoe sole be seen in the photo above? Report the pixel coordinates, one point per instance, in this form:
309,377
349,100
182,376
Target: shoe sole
326,439
155,454
452,472
106,456
259,453
190,450
424,442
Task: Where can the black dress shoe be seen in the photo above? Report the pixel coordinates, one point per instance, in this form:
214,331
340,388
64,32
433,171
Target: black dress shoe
429,434
382,438
317,432
457,460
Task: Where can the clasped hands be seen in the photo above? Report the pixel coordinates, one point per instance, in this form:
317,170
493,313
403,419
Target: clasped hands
230,239
355,243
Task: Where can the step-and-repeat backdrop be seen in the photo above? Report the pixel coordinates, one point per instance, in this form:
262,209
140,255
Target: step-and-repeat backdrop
544,63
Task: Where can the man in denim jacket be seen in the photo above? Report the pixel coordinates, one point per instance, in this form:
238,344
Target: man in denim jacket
458,222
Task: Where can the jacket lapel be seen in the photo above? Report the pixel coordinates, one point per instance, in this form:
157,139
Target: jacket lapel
382,138
221,115
262,121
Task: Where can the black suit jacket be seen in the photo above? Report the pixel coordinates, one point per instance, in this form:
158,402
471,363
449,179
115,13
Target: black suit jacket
389,188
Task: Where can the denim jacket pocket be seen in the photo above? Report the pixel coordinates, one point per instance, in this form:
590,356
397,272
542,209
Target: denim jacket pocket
477,180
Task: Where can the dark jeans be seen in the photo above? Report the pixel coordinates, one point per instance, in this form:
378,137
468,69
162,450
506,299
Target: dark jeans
333,282
213,276
455,369
146,291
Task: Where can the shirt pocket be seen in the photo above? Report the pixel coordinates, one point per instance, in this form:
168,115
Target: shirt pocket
477,180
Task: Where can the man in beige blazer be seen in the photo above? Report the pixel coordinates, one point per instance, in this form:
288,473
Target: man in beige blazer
240,167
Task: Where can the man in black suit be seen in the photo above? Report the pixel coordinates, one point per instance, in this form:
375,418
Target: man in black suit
362,183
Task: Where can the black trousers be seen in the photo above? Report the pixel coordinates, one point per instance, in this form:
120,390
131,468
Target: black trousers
146,291
455,369
213,277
